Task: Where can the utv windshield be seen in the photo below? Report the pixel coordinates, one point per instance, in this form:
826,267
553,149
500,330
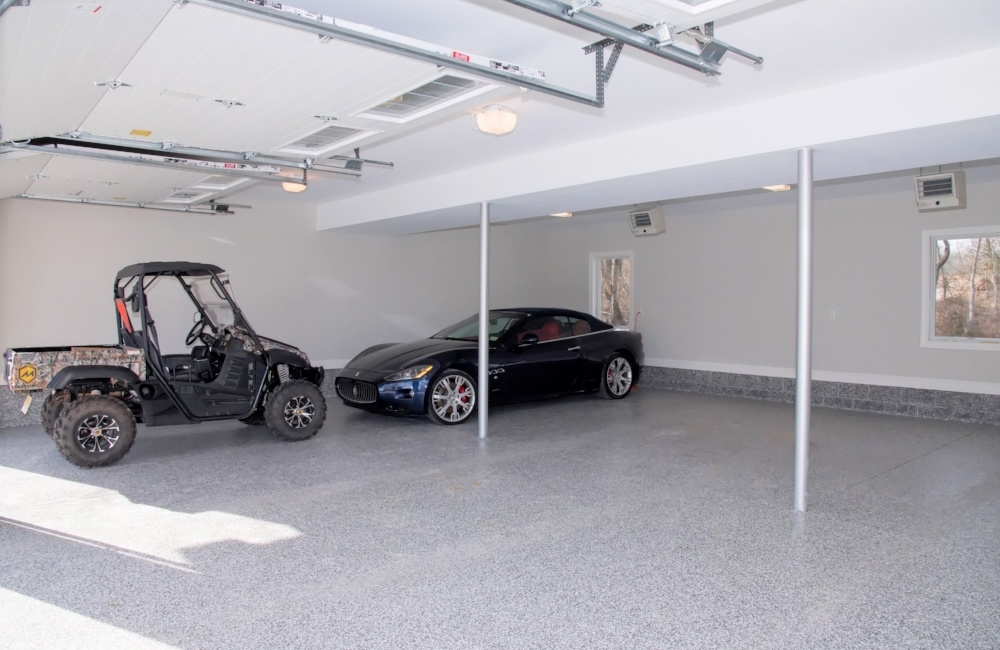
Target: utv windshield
212,298
468,329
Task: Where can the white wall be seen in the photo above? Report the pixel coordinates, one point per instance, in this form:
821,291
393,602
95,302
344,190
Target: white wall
331,294
717,291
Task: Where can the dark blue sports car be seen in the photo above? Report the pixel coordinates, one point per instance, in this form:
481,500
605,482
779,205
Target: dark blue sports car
534,353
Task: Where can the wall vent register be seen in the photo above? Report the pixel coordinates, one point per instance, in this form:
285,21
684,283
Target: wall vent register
647,220
941,191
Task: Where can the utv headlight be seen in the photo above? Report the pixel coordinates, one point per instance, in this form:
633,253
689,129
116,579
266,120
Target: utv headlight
414,372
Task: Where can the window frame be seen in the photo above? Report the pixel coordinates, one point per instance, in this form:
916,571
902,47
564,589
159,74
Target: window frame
928,285
595,282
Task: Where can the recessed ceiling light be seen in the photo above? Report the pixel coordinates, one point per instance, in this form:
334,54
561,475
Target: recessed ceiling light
561,214
777,188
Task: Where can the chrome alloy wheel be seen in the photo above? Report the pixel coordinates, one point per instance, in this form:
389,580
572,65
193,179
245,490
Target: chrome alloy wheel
453,398
619,377
299,412
98,433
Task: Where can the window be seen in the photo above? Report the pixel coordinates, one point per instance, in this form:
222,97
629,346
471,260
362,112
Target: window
961,297
611,287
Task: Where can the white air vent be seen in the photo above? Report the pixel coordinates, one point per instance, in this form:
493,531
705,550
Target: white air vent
326,140
941,191
447,90
647,220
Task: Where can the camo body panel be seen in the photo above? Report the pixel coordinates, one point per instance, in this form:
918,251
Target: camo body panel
34,369
250,345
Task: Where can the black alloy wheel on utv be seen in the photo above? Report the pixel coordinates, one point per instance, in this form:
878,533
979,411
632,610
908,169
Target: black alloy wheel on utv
51,408
95,431
295,410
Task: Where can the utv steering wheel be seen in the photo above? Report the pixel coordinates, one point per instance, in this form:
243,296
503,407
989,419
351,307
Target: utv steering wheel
197,333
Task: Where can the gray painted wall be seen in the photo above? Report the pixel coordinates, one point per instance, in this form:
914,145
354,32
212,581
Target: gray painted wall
717,291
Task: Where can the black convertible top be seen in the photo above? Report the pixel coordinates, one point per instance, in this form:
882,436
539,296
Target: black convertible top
168,268
549,311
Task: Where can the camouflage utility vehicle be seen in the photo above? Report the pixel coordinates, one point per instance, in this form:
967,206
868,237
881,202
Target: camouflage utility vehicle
99,393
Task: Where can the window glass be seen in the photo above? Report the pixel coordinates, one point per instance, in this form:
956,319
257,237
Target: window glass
967,287
611,287
468,329
578,326
546,328
961,288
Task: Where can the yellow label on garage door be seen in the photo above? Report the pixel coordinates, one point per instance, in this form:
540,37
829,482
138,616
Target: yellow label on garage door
27,374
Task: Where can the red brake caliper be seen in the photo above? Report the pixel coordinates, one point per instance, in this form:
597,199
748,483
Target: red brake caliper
461,391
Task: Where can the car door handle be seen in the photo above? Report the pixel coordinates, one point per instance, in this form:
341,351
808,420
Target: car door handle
571,349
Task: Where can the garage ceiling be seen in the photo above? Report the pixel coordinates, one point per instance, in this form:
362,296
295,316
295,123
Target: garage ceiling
873,87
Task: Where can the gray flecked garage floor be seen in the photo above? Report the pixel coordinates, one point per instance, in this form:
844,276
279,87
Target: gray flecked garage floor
660,521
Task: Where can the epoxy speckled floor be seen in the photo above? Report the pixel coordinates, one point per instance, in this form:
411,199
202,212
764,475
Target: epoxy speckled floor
660,521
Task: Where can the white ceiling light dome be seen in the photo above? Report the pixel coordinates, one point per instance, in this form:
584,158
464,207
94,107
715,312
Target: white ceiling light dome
496,119
296,182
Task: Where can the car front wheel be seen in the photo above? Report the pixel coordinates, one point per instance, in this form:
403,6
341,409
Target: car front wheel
452,398
616,377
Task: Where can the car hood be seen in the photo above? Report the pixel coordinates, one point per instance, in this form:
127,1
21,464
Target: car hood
397,356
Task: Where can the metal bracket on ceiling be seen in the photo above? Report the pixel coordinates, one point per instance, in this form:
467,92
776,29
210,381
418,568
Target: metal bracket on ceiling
112,84
618,33
604,71
580,5
712,49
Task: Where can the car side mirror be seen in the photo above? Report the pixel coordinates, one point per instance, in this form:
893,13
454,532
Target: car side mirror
529,339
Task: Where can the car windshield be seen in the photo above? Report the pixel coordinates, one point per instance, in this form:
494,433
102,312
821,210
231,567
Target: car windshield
468,329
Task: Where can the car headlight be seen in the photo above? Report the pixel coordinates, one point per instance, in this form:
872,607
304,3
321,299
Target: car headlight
414,372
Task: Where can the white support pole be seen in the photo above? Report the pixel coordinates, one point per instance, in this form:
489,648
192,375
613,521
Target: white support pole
484,318
803,361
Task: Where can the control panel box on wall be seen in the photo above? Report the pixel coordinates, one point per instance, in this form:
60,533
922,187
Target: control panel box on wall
647,220
941,191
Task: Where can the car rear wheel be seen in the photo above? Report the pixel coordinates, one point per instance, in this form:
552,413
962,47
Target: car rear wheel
616,377
452,398
95,431
295,410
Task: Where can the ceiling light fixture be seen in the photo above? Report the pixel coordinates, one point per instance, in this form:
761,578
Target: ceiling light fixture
777,188
293,184
561,215
496,119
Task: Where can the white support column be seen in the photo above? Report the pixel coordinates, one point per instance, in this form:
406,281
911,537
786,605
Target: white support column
803,361
483,381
